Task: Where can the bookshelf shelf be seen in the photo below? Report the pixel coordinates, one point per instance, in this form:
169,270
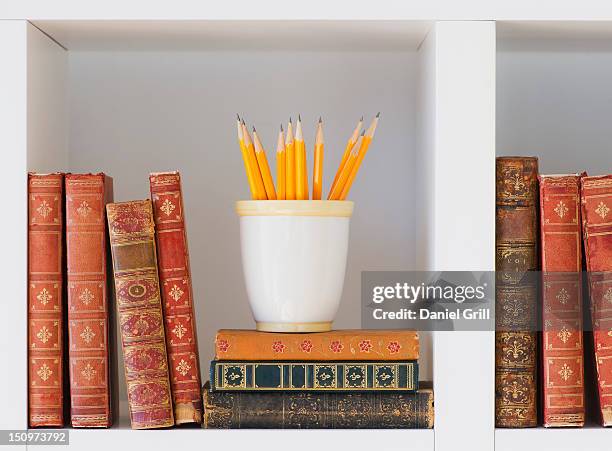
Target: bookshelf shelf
593,438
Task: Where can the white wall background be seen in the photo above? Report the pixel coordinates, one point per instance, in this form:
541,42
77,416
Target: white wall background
136,112
554,101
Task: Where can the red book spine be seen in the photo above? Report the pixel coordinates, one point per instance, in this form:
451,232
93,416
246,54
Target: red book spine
177,296
45,300
562,344
88,310
596,196
141,324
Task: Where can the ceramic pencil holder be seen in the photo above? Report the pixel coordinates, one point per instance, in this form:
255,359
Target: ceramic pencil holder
294,260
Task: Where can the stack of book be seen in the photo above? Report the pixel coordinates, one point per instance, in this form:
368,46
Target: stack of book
545,228
69,302
339,379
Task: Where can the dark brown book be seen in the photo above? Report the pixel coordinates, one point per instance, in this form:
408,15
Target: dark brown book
516,255
312,410
139,309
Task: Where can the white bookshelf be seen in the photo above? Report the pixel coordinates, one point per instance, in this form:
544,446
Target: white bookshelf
112,88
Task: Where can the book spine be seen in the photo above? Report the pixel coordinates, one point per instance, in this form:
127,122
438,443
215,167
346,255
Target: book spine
596,200
313,376
139,310
88,311
311,410
45,300
562,341
336,345
516,292
177,296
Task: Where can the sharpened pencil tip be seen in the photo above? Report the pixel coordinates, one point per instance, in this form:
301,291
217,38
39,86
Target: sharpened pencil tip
361,120
243,121
281,127
238,117
299,118
378,115
290,120
320,120
254,131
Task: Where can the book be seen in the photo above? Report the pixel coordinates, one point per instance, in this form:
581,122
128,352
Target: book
177,296
313,376
370,345
516,254
316,410
562,341
46,300
139,309
88,303
596,200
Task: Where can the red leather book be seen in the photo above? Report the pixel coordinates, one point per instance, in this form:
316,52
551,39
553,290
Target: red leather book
88,309
141,324
596,197
562,343
177,296
45,300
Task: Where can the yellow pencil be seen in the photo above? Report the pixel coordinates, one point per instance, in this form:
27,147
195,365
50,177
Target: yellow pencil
301,170
317,172
264,168
367,139
335,192
260,190
245,158
280,166
349,145
290,163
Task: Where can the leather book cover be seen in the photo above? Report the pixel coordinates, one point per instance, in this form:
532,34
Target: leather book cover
562,340
45,300
88,299
314,376
177,296
370,345
316,410
139,309
516,255
596,200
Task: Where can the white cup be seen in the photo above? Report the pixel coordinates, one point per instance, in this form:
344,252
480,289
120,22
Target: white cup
294,260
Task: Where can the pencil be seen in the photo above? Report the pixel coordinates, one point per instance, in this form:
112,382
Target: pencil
301,170
317,172
245,158
260,190
367,139
335,192
349,145
264,168
290,163
280,165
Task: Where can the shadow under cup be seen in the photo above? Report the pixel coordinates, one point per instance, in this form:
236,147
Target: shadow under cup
294,260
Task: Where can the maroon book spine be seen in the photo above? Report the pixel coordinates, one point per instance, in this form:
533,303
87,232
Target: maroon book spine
45,300
88,306
562,343
177,296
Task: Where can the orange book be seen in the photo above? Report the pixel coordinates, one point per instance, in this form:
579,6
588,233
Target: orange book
334,345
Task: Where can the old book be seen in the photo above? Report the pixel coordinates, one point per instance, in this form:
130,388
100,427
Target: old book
139,309
596,199
88,303
46,300
177,296
368,345
316,410
562,342
516,291
313,376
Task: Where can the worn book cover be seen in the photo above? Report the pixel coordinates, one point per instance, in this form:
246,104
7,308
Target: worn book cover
88,299
596,200
313,376
562,341
316,410
46,300
141,325
516,255
177,296
368,345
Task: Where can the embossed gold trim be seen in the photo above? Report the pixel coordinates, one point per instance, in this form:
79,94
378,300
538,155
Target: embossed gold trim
322,326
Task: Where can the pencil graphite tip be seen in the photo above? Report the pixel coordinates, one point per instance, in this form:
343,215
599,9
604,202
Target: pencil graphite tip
281,127
361,120
378,115
243,121
299,118
254,131
320,120
290,119
238,117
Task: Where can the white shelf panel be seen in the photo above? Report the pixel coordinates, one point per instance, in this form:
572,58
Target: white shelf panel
252,439
568,439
